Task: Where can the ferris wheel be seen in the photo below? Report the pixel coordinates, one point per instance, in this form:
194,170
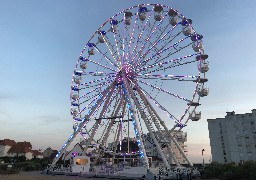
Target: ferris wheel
143,71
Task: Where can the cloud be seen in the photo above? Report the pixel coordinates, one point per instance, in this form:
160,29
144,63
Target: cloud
49,119
4,96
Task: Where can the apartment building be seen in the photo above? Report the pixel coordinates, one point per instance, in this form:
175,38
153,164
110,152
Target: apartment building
233,138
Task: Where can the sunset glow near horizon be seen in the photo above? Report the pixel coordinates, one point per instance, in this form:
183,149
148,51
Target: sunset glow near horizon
40,42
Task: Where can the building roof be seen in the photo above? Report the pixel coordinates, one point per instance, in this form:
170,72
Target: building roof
77,145
21,147
53,154
7,142
36,153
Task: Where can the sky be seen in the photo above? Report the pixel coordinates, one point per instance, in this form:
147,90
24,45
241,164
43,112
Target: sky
40,41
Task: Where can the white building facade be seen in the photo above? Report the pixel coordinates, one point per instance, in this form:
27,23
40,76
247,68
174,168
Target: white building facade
233,138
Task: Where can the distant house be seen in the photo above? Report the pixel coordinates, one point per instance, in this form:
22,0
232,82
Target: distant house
21,149
49,153
53,155
37,154
5,146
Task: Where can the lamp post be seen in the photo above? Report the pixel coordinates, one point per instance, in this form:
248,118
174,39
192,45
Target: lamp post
203,156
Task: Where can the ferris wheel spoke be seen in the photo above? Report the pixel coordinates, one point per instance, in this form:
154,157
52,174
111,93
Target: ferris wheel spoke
118,104
156,43
111,49
157,104
132,35
105,67
149,37
161,69
174,64
161,51
106,57
141,39
177,50
115,38
167,77
141,33
166,62
93,90
91,83
160,89
90,98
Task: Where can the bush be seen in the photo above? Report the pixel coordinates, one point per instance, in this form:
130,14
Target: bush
5,170
231,171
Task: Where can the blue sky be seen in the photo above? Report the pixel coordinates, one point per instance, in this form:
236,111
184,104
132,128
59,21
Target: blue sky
40,41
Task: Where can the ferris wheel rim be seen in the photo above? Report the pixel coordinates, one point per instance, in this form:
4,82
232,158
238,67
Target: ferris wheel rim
197,84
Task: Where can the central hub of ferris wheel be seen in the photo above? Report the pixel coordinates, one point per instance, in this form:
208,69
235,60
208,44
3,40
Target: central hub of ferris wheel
126,71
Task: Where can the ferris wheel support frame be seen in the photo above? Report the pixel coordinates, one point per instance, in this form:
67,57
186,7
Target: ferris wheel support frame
166,129
143,116
98,121
148,105
81,125
111,123
114,114
131,108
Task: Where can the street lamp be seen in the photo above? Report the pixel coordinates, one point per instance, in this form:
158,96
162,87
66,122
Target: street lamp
203,156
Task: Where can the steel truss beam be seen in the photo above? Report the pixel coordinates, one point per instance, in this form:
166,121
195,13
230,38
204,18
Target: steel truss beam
81,125
166,129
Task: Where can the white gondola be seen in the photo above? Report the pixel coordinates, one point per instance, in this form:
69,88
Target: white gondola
204,67
83,65
201,80
158,12
77,79
201,57
101,38
198,46
128,19
172,13
191,103
114,27
195,116
187,30
75,96
142,13
74,112
91,51
203,92
174,20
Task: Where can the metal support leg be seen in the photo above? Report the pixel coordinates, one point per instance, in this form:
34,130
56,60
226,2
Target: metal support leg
111,124
80,126
150,131
98,121
138,135
163,124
